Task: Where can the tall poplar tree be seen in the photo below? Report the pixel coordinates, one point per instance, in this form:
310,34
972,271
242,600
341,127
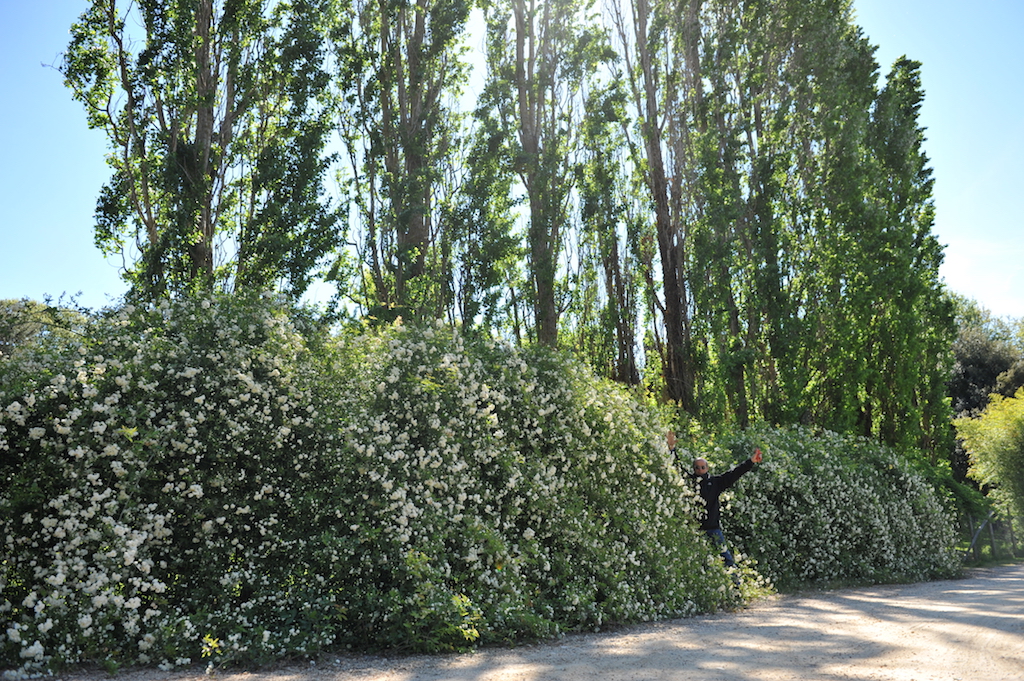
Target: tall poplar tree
603,314
658,43
780,74
487,273
553,50
912,319
217,118
401,69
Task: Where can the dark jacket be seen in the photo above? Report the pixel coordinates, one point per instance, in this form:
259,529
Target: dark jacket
713,485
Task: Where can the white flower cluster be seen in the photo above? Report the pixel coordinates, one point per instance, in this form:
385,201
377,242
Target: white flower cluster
144,465
543,496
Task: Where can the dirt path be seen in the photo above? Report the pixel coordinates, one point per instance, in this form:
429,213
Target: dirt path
970,629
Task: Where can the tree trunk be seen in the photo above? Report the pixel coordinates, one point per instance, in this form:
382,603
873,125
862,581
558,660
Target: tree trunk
679,371
543,229
201,169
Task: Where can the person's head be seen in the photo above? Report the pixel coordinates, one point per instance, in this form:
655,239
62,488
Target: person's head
700,466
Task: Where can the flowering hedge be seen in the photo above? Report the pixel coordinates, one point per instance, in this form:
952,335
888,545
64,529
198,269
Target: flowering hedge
200,479
162,475
829,508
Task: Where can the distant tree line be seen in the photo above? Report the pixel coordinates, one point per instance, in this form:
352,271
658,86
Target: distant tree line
717,200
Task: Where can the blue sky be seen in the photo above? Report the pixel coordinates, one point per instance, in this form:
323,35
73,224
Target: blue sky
973,111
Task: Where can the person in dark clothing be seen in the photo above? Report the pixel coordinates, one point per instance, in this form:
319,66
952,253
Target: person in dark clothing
711,487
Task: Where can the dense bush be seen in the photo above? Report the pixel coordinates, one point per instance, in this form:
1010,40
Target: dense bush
201,479
995,442
225,479
161,484
827,508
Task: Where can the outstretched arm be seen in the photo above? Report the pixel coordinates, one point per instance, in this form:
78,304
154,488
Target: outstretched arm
729,478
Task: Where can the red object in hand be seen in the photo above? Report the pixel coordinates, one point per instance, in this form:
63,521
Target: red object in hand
757,456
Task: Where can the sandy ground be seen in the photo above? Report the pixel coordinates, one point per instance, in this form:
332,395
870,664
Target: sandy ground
970,629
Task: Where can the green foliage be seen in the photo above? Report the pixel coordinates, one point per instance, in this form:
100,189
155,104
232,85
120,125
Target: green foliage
827,508
600,322
485,252
995,443
716,198
25,321
988,359
540,65
199,478
217,113
400,67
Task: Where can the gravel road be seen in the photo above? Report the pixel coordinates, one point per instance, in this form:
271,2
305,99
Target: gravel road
969,629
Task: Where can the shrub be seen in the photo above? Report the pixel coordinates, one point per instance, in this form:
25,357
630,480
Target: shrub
200,479
828,508
162,482
514,485
222,478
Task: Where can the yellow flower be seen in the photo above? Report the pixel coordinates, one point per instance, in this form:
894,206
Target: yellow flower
211,646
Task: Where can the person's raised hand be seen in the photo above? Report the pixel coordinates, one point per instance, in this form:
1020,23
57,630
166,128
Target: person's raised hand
670,438
756,458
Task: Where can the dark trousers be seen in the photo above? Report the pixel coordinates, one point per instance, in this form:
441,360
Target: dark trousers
718,539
